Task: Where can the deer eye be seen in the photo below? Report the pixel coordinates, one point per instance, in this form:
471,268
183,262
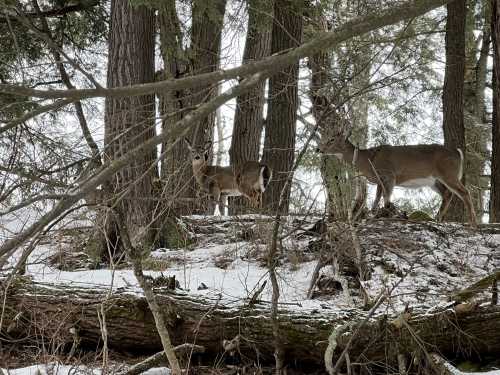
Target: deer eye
206,156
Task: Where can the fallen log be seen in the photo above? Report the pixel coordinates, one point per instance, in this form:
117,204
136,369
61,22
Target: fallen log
54,312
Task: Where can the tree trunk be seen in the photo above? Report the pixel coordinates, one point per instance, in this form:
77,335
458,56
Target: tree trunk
202,57
495,160
129,121
453,103
326,95
249,116
279,144
333,171
475,108
55,311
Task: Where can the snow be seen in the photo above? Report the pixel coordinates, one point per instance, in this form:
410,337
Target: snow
58,369
427,261
51,369
157,371
455,371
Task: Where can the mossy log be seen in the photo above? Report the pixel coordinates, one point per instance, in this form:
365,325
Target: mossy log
62,314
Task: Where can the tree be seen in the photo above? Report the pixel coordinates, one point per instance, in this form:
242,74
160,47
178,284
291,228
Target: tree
474,100
129,121
329,94
453,90
252,73
495,161
249,113
203,56
279,143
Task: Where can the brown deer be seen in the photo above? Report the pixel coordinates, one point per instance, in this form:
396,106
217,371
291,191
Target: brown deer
249,179
415,166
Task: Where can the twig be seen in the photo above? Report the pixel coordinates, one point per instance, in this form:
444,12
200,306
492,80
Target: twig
160,358
479,286
136,258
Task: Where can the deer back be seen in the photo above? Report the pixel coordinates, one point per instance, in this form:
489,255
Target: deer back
222,177
410,163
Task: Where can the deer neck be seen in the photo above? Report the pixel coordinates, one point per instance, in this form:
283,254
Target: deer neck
351,154
199,171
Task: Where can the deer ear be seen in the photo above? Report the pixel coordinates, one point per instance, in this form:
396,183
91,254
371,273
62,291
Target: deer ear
208,145
188,144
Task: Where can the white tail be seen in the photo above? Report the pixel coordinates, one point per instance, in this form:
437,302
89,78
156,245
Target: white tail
415,166
249,179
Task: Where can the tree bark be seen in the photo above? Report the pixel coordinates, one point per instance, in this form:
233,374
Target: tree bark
55,310
202,57
453,90
129,122
333,171
279,143
475,107
327,97
249,114
495,161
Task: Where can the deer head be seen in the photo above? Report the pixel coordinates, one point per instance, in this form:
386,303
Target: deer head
199,155
336,143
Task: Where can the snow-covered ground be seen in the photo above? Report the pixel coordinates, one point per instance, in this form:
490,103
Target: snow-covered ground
58,369
427,261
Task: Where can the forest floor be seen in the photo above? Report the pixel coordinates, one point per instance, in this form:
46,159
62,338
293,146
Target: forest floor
422,263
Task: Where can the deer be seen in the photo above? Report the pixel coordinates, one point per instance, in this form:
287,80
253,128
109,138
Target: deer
249,179
410,166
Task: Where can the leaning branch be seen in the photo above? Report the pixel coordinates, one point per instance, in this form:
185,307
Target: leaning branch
476,288
267,66
180,130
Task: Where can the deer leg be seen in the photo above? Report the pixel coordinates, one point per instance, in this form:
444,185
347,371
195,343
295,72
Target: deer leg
387,186
446,196
457,188
216,195
378,195
222,204
255,199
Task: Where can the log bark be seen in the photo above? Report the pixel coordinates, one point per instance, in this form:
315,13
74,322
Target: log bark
34,311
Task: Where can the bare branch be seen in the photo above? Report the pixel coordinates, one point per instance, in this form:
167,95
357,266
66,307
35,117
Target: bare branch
181,129
267,66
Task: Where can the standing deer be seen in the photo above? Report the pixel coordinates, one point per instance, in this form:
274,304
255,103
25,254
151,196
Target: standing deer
415,166
249,179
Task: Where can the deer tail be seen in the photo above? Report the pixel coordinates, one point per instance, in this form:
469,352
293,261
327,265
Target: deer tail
461,171
265,176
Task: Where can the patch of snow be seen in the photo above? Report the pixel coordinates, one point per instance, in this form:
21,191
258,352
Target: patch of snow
427,262
157,371
52,369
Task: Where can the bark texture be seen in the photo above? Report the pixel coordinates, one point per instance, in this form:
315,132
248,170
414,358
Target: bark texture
202,56
129,121
453,90
53,311
279,143
249,114
474,101
327,95
495,162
